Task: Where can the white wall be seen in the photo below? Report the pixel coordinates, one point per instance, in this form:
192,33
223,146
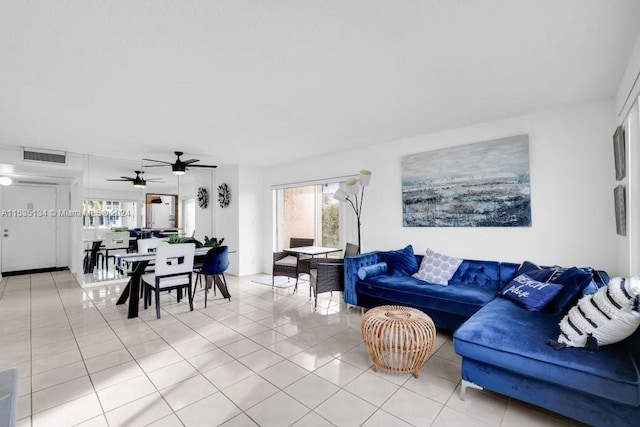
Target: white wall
251,213
66,177
630,244
629,88
626,110
572,177
226,220
203,217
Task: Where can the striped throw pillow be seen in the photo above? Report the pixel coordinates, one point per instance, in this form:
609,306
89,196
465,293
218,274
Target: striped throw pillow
606,317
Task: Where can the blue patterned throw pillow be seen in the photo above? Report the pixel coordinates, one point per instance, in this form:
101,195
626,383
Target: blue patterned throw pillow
529,293
437,268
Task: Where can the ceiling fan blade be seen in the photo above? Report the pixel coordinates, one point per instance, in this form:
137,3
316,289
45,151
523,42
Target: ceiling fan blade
202,166
190,161
158,161
155,166
120,179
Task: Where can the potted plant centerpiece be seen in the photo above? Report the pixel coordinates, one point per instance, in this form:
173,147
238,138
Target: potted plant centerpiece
212,242
174,238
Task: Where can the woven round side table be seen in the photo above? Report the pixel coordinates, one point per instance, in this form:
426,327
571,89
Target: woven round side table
398,339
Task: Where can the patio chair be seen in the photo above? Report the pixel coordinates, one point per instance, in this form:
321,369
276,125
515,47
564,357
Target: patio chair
292,265
327,274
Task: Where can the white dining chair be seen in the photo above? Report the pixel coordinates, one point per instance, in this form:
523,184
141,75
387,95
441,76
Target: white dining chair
113,242
150,245
173,268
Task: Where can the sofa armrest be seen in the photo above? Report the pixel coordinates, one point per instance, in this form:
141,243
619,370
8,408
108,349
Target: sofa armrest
351,266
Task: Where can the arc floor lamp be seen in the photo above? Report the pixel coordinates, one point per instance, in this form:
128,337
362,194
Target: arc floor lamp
348,193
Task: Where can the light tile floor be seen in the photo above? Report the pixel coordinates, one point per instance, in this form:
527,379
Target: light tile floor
264,358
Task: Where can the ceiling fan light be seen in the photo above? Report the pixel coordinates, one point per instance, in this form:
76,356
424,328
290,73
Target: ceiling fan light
178,169
138,181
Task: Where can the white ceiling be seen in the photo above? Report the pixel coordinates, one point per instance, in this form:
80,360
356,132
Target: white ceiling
266,82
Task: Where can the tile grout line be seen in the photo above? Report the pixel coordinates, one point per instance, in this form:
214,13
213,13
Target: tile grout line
306,325
55,283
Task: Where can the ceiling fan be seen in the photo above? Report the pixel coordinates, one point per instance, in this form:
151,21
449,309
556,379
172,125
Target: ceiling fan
138,181
179,167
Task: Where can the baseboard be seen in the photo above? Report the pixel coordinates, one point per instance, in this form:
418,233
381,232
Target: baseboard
34,271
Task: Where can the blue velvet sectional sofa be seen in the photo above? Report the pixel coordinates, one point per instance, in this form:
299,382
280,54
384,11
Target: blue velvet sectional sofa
474,284
504,347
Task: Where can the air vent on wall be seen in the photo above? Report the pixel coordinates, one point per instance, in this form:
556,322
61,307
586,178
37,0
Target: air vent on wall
36,182
39,155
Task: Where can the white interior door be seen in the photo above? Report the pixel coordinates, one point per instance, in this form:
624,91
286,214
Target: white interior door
28,227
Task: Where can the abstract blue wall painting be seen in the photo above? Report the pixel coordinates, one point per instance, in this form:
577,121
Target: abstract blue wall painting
477,185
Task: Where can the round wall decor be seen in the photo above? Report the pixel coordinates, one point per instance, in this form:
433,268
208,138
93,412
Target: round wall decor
203,197
224,195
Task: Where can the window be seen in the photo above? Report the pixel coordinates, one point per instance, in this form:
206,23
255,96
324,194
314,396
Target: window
307,211
108,213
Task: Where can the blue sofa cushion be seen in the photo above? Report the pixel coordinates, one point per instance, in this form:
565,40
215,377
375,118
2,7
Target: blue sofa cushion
541,274
457,298
372,270
530,293
600,279
573,280
505,335
401,262
479,274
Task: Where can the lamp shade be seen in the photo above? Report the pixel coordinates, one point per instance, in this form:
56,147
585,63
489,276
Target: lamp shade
5,180
351,186
365,177
341,195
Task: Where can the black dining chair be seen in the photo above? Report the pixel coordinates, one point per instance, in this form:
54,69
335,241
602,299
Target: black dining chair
215,263
197,260
91,257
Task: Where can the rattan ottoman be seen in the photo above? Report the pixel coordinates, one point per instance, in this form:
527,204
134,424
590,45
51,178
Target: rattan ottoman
398,339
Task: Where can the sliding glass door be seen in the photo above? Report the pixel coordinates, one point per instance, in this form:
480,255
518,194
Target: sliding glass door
307,211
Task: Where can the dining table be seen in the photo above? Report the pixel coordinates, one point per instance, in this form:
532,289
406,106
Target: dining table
304,265
139,263
312,250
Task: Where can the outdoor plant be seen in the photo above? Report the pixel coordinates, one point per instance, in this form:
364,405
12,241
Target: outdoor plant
175,239
212,242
